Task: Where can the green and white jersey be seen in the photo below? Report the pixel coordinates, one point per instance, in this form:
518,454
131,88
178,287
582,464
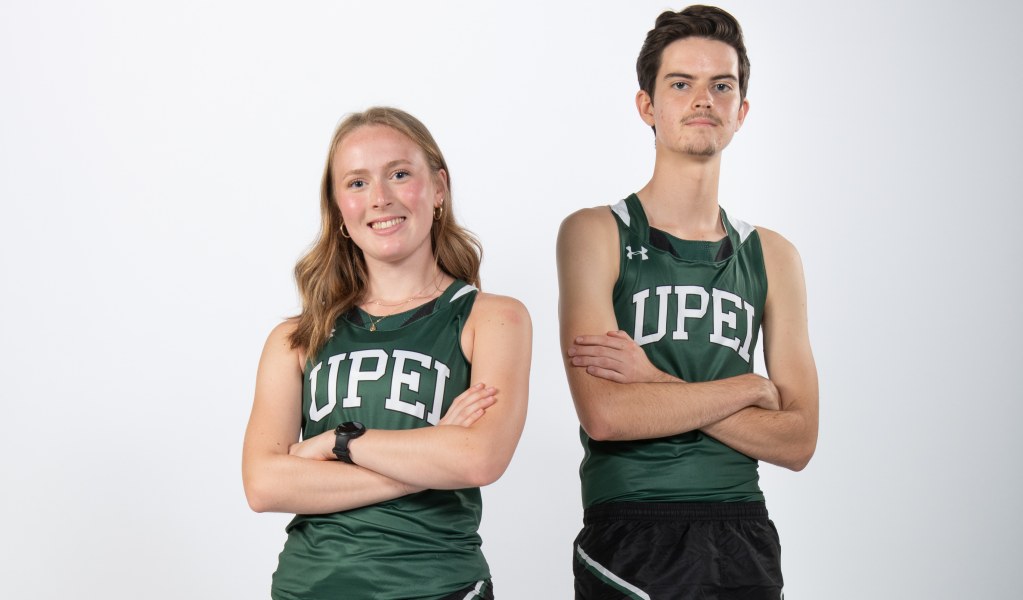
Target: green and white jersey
695,308
403,375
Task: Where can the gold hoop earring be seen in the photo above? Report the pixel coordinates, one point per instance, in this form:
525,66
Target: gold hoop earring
438,212
343,233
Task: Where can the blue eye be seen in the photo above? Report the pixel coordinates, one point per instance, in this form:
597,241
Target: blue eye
356,184
723,87
679,85
401,175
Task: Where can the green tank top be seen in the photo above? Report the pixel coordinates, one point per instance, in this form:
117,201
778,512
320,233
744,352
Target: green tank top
403,375
695,308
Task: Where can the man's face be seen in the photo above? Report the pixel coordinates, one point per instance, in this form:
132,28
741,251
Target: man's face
696,107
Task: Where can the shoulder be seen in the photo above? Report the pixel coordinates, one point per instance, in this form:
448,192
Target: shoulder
498,324
786,286
778,251
279,342
588,238
587,222
503,310
283,331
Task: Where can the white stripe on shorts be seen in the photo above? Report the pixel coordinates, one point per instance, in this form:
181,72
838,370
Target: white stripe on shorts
475,591
614,578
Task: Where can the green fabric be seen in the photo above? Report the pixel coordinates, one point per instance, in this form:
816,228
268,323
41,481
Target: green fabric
712,335
424,545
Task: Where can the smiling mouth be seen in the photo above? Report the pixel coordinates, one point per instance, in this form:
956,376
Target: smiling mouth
386,224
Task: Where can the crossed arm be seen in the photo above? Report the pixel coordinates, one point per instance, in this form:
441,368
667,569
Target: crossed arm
620,395
470,446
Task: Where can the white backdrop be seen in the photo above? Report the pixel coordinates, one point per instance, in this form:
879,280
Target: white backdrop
159,165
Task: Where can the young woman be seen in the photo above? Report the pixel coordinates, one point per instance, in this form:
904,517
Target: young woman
408,385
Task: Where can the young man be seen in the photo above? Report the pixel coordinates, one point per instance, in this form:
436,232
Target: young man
662,299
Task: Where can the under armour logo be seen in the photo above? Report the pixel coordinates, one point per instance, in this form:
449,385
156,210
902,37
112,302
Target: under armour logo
641,252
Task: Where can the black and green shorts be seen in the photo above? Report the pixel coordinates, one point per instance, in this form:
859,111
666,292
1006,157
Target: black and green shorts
650,551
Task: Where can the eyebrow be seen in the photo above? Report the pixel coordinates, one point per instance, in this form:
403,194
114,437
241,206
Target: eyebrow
390,165
727,76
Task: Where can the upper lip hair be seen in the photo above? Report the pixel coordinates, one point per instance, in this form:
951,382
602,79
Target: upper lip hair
702,117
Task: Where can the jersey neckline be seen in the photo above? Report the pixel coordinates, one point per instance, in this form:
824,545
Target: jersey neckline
630,212
361,319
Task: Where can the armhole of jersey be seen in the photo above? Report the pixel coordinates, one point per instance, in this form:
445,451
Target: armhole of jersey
463,317
622,227
755,239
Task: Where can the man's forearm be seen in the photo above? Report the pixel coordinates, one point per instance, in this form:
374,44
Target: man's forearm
612,411
785,438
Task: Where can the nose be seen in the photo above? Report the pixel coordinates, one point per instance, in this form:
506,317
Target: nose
703,99
381,197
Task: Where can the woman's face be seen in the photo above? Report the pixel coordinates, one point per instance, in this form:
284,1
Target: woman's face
386,193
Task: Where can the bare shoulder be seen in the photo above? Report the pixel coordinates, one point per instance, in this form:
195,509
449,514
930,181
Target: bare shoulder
786,287
587,247
280,335
278,343
779,253
586,224
284,329
499,323
504,310
589,257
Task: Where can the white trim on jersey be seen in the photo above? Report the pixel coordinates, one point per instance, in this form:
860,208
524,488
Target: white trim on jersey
741,227
622,211
465,290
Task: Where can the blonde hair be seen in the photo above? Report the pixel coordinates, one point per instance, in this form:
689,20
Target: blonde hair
332,276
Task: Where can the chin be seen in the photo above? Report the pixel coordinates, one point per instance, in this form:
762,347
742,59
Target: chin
705,150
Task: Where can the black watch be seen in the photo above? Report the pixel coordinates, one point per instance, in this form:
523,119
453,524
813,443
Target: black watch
345,433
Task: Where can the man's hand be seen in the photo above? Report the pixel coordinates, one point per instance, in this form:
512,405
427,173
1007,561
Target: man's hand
616,357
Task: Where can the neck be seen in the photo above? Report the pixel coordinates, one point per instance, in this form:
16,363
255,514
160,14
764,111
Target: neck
682,196
401,283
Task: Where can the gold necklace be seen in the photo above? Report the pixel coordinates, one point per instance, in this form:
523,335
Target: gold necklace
415,296
418,295
373,324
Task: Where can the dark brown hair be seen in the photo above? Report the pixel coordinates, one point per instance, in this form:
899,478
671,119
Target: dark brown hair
693,21
332,276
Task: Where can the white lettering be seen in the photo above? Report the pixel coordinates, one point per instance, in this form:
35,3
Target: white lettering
318,413
744,351
357,375
443,372
410,379
403,375
684,312
721,317
639,299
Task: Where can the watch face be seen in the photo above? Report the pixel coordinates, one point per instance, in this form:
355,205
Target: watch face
350,427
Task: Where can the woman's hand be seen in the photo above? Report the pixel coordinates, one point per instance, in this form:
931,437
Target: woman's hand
465,409
470,405
320,447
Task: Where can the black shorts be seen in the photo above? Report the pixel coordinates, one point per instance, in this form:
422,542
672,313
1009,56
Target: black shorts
481,590
648,551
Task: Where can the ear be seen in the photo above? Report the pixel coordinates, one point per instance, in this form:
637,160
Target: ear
442,188
645,106
743,110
